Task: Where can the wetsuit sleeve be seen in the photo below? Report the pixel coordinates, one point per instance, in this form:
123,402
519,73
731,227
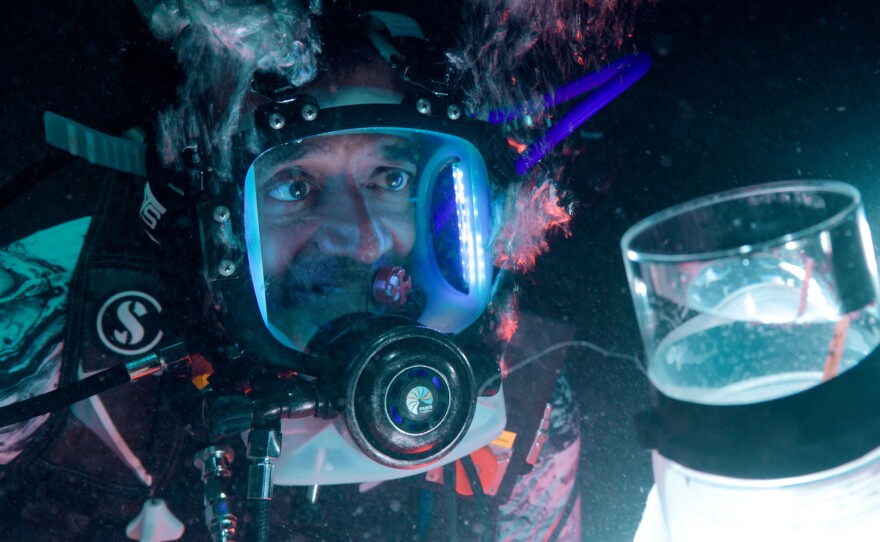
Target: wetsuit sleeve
35,274
545,501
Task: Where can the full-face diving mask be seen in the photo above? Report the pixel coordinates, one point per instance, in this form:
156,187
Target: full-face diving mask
385,221
367,230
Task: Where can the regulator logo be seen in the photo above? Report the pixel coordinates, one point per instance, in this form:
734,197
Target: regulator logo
128,323
420,402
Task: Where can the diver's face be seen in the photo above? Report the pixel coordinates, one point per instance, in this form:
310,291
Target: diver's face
333,210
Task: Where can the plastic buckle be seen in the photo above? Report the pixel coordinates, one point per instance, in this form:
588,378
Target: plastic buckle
491,462
541,437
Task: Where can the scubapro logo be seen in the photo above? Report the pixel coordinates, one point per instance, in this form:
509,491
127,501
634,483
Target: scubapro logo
420,401
128,324
151,211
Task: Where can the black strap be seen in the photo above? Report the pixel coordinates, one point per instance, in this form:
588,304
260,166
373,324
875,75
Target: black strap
451,501
530,388
473,479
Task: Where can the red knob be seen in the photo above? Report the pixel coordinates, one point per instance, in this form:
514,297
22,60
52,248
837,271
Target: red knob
391,286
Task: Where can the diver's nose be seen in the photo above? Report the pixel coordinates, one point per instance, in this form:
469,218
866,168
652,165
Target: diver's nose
351,229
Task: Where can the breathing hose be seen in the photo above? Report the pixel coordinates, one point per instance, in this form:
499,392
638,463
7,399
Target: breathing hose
163,359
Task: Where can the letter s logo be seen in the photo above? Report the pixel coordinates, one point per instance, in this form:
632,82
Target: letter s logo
127,316
127,323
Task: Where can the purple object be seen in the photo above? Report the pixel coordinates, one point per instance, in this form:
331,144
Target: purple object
611,82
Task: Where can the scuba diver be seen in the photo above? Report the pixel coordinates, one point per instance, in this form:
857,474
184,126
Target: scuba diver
310,297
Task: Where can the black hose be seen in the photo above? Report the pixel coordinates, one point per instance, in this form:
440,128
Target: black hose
259,529
473,478
63,397
451,501
13,188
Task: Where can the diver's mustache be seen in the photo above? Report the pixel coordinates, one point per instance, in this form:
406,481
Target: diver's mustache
329,273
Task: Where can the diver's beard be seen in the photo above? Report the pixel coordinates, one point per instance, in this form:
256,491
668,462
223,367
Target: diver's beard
319,280
309,295
309,313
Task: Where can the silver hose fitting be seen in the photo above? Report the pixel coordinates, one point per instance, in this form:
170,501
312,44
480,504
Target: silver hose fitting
214,463
263,448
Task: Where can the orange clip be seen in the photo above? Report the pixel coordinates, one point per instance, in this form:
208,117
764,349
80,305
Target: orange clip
491,463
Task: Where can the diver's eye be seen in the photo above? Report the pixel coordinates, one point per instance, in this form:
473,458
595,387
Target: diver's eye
394,179
292,190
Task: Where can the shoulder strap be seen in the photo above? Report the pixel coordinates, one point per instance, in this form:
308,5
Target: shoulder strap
129,296
528,390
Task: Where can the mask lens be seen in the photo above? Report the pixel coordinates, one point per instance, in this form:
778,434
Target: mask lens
368,221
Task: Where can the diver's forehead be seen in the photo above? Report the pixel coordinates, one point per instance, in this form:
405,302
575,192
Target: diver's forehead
386,147
376,141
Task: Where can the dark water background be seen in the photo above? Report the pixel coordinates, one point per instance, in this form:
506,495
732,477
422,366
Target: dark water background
739,93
